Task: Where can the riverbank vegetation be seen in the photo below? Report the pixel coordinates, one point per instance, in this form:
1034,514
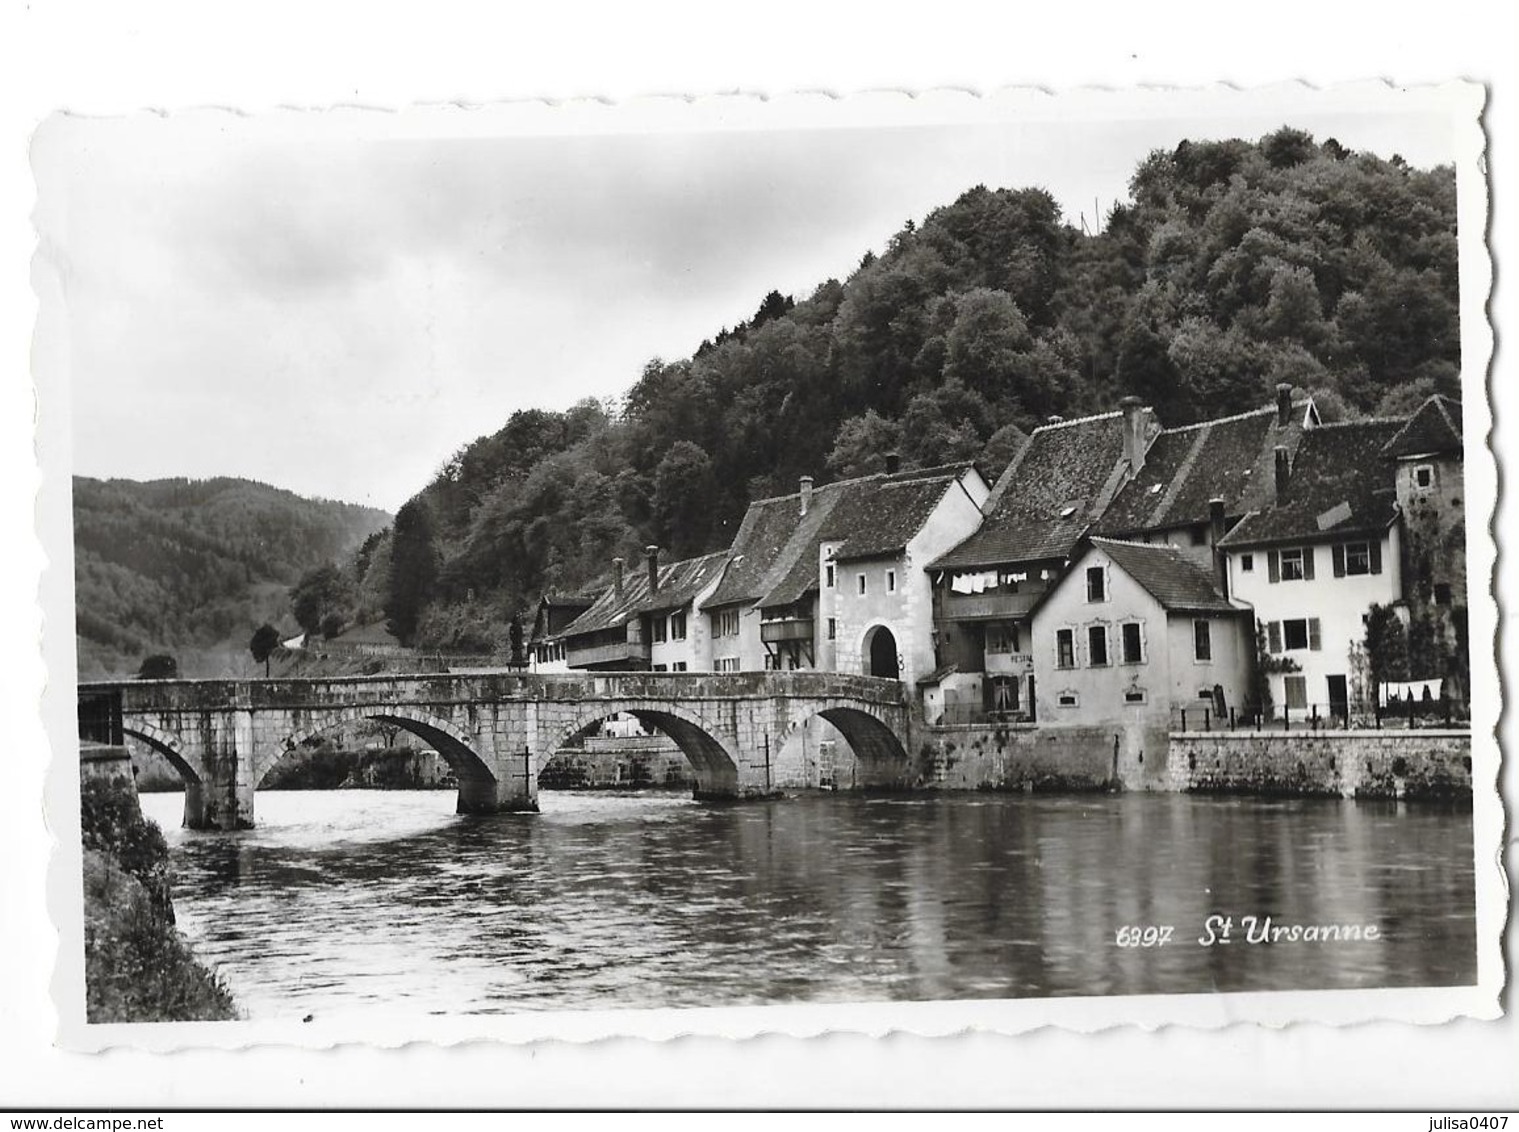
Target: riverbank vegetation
138,968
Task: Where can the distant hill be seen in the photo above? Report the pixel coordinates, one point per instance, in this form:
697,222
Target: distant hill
192,567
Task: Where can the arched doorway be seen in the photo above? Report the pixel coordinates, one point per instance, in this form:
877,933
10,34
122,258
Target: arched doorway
882,656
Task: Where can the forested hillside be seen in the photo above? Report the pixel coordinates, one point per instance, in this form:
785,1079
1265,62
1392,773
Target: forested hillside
189,568
1232,266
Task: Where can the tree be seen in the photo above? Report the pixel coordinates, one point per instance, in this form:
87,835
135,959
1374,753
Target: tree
321,594
266,638
863,443
413,570
159,666
683,493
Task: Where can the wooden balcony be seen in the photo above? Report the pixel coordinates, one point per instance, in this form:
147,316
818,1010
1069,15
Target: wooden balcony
786,629
993,605
630,656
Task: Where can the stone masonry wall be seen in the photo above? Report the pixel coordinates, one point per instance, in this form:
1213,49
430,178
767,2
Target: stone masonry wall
1351,764
1015,757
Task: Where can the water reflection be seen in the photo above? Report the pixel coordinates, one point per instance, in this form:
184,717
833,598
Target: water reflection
346,900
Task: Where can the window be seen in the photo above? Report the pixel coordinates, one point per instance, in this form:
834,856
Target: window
1202,639
1134,696
1290,565
1442,593
678,666
1065,648
891,581
1097,646
1199,536
1133,643
661,668
1247,563
1298,633
678,626
1424,477
860,581
833,628
725,623
1097,589
657,629
1356,558
727,664
828,575
1068,699
1296,688
1003,637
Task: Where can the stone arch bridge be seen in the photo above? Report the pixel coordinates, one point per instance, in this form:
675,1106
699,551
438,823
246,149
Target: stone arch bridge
496,729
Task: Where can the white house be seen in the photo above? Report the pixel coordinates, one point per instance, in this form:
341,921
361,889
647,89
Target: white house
1313,562
1133,634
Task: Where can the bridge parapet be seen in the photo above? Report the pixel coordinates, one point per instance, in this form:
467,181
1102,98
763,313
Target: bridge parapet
202,695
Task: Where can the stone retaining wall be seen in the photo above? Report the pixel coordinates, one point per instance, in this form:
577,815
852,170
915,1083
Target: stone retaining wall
1350,764
1019,756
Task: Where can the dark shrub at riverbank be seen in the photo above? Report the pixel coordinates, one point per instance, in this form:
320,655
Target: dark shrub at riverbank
137,967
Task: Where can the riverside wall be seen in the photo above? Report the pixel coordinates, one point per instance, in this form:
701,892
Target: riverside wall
1353,764
1414,763
1019,756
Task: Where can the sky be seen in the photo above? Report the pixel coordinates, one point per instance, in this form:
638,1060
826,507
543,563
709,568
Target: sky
336,307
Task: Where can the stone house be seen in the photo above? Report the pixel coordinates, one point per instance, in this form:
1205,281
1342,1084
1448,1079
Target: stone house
554,614
1056,487
1428,473
793,596
647,620
1316,557
1131,635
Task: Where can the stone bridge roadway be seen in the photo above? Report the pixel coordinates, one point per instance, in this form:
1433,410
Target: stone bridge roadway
496,729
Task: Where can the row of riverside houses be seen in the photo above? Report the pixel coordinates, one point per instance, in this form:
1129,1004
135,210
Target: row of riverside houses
1116,571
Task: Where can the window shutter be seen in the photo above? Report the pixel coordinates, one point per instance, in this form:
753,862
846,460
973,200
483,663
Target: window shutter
1376,557
1307,563
1314,641
1273,566
1337,552
1274,636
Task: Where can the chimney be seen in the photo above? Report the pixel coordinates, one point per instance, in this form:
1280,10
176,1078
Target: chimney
806,493
617,576
1215,535
1283,470
1055,418
652,552
1283,404
893,463
1133,432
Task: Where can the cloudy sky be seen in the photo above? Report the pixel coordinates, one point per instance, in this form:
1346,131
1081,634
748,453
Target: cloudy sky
335,307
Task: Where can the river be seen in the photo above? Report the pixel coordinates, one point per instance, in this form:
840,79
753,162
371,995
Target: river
346,901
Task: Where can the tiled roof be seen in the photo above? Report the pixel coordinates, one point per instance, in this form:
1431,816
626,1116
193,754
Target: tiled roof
679,582
1341,484
1434,427
772,540
1186,468
1059,483
868,516
881,517
1168,575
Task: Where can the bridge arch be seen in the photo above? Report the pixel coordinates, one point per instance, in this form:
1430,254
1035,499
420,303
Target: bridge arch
882,761
712,757
167,744
452,744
